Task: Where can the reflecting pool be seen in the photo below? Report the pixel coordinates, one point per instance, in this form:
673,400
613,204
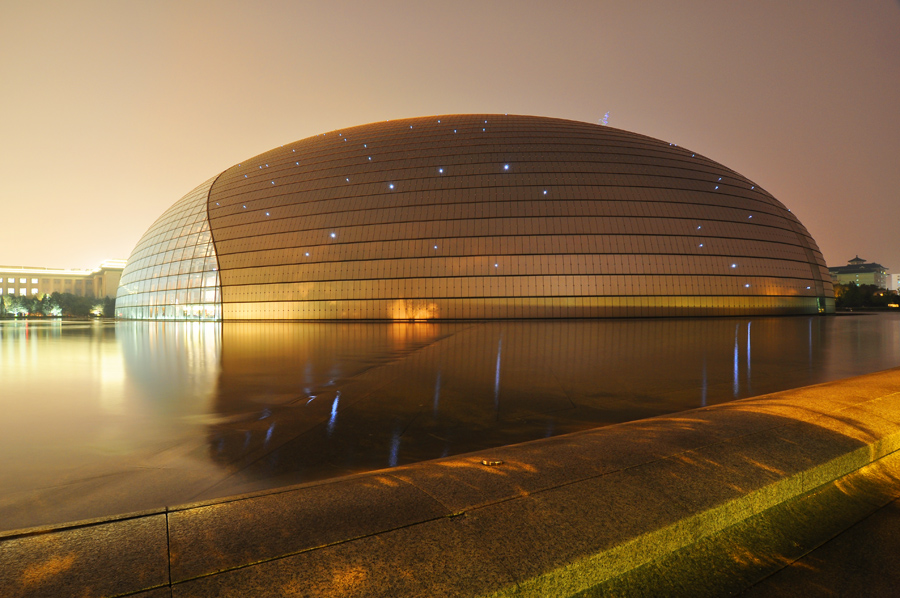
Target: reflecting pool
110,417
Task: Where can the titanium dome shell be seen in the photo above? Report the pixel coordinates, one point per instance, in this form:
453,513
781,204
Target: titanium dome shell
471,217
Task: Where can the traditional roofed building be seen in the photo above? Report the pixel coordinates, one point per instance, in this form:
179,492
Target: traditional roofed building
860,271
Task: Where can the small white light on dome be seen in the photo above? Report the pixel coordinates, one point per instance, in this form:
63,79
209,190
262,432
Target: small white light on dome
370,157
245,207
701,244
439,122
348,180
454,130
365,145
753,187
807,288
333,235
750,216
245,176
699,227
506,167
267,213
734,265
273,182
720,178
307,254
267,165
297,163
717,186
391,185
441,170
545,192
747,285
496,265
436,248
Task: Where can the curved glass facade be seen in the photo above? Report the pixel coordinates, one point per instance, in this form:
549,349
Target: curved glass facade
478,216
172,274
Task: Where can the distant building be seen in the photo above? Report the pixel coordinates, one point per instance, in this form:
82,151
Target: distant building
27,281
895,282
861,272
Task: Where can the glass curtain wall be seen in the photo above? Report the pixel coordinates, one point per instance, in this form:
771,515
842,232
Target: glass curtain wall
173,274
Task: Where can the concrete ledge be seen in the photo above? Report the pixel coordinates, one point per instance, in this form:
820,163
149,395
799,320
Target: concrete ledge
597,510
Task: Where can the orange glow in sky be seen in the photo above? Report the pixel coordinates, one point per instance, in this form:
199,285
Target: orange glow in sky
111,111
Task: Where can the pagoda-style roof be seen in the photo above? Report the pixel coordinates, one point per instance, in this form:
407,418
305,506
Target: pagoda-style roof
858,266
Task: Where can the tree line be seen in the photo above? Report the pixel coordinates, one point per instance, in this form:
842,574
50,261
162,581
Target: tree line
56,305
862,295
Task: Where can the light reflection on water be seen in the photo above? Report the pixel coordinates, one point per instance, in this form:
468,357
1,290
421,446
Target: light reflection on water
102,418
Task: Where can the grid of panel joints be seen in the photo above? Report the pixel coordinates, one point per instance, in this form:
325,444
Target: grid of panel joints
297,163
221,226
525,307
173,272
425,230
341,170
398,147
222,232
279,223
582,255
253,233
398,143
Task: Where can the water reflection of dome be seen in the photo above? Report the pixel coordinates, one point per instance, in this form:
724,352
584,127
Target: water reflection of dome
172,367
296,402
475,216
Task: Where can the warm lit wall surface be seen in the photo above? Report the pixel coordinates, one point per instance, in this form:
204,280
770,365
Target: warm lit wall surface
493,216
27,281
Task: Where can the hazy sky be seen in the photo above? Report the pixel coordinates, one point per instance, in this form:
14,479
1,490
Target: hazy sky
112,111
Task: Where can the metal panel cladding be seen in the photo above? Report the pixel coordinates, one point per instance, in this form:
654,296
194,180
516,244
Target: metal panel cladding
495,216
172,273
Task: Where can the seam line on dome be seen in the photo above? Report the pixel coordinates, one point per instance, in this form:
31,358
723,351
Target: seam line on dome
212,240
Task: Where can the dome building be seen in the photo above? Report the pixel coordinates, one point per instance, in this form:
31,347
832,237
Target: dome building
475,216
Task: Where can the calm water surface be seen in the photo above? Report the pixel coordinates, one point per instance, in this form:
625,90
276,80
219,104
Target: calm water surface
101,418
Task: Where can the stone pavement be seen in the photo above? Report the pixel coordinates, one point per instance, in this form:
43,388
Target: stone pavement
864,560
